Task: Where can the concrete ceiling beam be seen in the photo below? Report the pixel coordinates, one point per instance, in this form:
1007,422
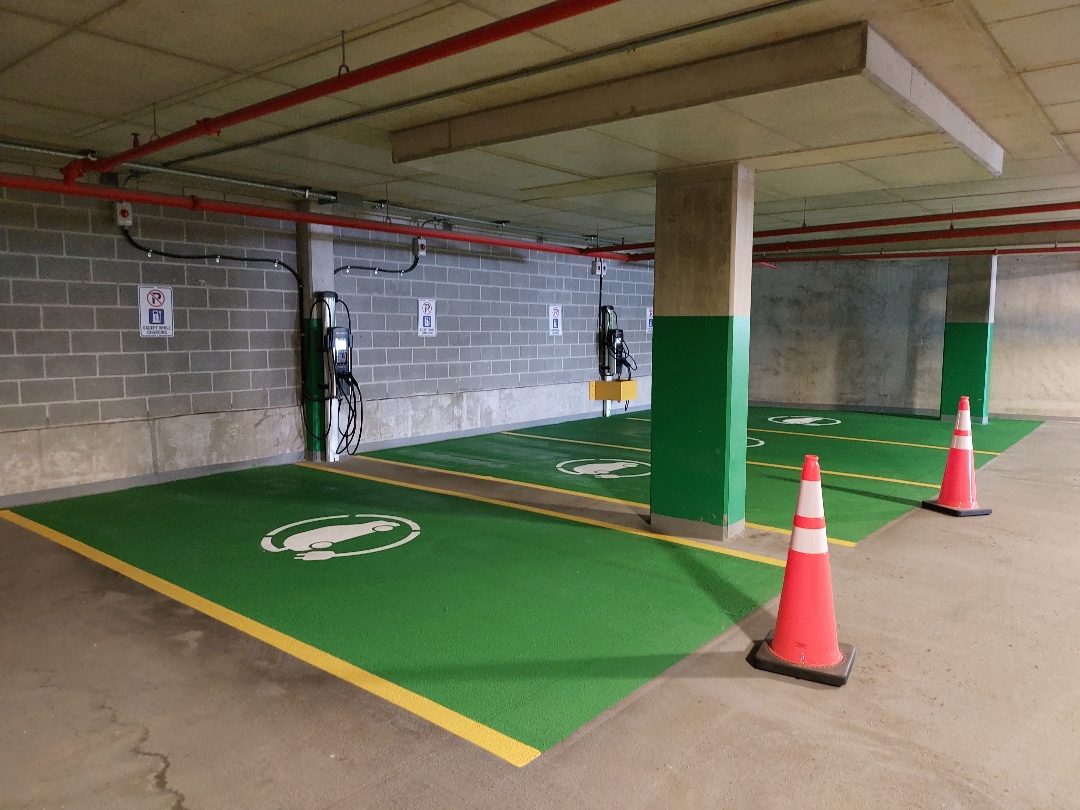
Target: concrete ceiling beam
852,50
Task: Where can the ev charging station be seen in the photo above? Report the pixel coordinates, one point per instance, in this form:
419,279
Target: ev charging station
333,402
613,355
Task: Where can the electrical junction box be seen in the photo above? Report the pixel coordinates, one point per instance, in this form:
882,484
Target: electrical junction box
124,215
599,267
618,390
419,246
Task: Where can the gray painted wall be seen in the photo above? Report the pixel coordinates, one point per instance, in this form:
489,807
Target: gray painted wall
859,334
1035,365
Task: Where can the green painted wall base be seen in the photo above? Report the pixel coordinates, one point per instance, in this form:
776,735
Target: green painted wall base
965,368
701,368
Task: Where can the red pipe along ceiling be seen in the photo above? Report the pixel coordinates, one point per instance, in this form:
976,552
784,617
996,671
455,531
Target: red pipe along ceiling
918,254
1044,208
26,183
921,236
986,213
467,41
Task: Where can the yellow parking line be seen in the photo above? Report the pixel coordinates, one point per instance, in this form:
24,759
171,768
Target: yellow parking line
588,495
513,481
575,441
679,541
749,463
854,439
847,475
776,530
495,742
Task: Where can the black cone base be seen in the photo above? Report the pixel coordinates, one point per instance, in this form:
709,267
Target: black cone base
949,510
762,657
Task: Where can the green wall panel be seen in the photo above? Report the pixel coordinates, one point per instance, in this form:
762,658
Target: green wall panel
965,369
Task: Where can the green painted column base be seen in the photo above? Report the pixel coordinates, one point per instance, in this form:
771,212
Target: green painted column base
965,368
310,350
701,370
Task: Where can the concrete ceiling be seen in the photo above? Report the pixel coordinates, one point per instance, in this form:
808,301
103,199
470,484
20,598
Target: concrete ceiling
86,75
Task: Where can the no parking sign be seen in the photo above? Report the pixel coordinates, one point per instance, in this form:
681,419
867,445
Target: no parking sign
425,317
554,319
156,312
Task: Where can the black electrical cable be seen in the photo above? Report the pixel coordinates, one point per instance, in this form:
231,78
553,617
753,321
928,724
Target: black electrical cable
409,269
348,312
352,399
149,251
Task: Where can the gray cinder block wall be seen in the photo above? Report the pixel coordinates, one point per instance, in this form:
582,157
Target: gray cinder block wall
492,361
84,399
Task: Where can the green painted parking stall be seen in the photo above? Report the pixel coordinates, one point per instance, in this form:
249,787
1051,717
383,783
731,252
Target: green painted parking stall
507,626
875,467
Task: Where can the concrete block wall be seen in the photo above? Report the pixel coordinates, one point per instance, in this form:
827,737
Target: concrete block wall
71,356
84,399
491,314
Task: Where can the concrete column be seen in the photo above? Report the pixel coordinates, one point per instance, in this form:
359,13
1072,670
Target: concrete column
315,262
701,349
969,335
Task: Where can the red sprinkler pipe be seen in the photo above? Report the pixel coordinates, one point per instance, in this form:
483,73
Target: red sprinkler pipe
625,248
890,222
921,254
469,40
19,181
922,236
986,213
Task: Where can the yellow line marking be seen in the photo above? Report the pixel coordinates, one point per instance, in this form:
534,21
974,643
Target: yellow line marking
679,541
575,441
497,743
512,481
749,463
637,419
847,475
776,530
590,496
854,439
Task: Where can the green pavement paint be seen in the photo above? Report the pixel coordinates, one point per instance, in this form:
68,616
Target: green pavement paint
965,369
997,437
528,624
699,417
855,507
534,461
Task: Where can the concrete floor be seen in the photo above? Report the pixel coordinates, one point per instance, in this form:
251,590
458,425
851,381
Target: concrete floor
964,691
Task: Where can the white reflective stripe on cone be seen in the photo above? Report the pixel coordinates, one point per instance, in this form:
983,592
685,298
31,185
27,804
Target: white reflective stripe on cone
962,443
963,420
809,541
809,503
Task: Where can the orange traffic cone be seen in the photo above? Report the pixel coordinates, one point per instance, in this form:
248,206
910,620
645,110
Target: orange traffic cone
804,643
957,496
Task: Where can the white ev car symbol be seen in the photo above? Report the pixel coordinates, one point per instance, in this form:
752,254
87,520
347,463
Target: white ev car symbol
603,467
317,543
